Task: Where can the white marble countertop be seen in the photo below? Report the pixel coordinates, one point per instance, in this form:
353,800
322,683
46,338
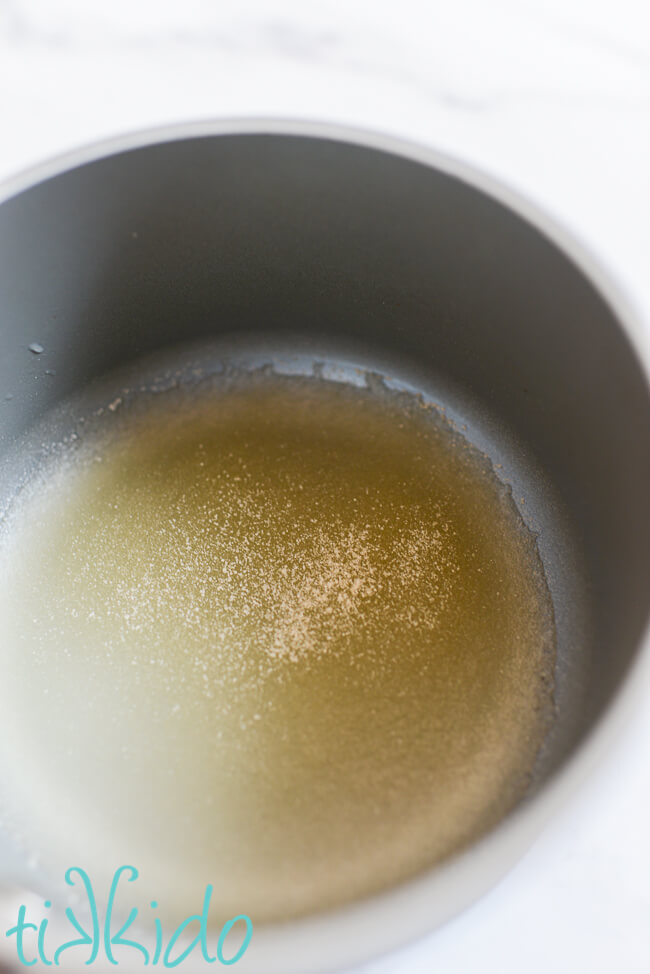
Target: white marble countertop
553,96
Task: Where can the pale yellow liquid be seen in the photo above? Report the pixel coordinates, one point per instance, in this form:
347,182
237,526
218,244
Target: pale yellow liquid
292,639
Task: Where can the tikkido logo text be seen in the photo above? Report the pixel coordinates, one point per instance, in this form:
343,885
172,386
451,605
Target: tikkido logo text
33,947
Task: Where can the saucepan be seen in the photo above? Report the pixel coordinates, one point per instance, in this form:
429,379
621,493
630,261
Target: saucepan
393,256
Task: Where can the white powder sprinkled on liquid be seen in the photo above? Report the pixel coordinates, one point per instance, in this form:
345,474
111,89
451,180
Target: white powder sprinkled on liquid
291,638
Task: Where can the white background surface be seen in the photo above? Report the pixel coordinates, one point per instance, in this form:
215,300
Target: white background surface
553,96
